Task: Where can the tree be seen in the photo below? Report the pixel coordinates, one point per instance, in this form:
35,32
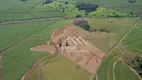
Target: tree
66,2
131,13
78,15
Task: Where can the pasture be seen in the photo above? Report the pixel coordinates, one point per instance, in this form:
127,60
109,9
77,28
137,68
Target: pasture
58,67
117,27
19,59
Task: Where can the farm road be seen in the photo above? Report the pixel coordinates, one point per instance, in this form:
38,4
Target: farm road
30,20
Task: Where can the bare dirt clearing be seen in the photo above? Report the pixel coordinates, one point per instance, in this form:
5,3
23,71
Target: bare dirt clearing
84,53
90,57
44,47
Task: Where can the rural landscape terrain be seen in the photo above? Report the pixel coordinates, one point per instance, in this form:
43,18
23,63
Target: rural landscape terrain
70,39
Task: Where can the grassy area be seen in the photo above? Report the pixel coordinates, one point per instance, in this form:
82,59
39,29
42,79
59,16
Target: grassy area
103,12
19,59
67,9
123,72
12,33
105,71
117,28
61,68
118,5
134,40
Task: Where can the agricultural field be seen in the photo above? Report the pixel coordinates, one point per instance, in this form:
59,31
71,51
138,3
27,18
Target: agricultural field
105,71
122,70
51,69
117,29
20,10
21,55
17,32
133,40
113,68
70,40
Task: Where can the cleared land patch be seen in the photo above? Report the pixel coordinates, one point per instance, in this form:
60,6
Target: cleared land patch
89,60
44,48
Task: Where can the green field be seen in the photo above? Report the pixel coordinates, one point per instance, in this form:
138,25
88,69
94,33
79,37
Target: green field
108,23
105,71
31,9
59,68
19,10
103,12
123,72
117,27
19,59
119,5
12,33
134,40
108,70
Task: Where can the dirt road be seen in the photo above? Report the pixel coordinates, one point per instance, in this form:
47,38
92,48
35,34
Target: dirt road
30,20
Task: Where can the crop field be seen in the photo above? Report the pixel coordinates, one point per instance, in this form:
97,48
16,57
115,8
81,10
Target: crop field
113,68
119,5
12,33
134,40
58,67
105,71
70,39
19,59
19,10
123,72
117,27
